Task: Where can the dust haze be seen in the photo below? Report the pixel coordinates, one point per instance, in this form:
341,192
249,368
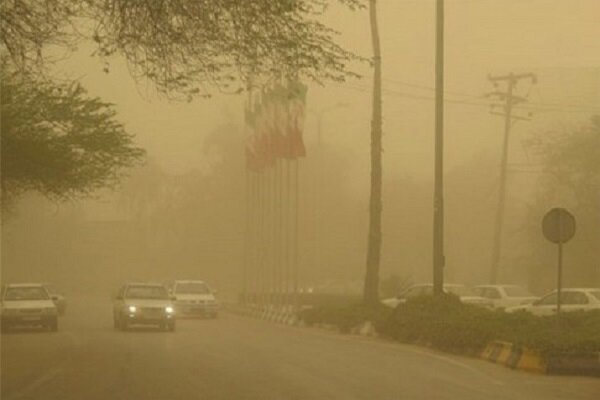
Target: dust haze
186,212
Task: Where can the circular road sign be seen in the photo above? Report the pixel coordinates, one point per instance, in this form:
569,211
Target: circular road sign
558,225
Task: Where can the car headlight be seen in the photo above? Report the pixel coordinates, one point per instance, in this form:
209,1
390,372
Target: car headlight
169,310
132,309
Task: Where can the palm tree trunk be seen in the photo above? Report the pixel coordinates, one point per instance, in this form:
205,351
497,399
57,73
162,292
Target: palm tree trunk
371,288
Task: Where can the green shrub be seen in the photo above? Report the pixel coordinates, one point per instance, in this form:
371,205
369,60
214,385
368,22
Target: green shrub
447,324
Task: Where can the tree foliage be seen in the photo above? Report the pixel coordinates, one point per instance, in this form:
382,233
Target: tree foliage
185,46
58,141
571,179
572,162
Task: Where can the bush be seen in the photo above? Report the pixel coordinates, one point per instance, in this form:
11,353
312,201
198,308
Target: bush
447,324
344,317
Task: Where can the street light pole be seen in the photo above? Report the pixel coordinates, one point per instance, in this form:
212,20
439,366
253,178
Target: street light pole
438,200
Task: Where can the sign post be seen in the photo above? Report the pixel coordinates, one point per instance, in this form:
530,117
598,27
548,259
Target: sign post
558,227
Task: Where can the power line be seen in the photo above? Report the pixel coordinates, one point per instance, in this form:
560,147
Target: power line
533,106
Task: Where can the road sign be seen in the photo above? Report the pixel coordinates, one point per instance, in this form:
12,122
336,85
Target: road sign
558,225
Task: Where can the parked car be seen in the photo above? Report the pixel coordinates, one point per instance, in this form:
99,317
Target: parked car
57,297
143,304
465,294
503,296
28,304
571,299
194,299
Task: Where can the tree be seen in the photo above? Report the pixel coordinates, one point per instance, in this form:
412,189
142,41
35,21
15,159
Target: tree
371,288
185,46
58,141
571,179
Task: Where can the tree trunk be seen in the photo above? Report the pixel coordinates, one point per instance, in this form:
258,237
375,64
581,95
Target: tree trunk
371,288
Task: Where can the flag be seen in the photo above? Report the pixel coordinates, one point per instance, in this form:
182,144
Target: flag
296,108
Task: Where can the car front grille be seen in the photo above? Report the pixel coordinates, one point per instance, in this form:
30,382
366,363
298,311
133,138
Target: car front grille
152,311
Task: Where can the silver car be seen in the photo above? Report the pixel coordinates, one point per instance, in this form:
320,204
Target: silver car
143,304
28,304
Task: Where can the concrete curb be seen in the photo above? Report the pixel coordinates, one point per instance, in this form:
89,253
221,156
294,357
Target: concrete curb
284,316
515,357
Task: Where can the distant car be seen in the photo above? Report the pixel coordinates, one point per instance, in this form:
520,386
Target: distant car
503,296
28,304
465,294
143,304
571,299
194,299
57,297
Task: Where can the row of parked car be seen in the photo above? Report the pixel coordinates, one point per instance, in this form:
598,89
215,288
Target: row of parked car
40,304
511,298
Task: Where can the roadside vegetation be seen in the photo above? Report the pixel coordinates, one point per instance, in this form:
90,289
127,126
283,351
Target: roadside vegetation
446,324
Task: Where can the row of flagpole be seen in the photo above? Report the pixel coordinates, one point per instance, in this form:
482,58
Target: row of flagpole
271,275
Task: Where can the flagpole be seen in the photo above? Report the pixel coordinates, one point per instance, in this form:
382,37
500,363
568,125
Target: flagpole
247,239
296,231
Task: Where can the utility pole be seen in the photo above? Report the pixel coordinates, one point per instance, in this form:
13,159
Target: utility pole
438,191
510,100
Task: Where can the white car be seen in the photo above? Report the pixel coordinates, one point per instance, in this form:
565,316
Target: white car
194,299
504,296
465,294
575,299
28,304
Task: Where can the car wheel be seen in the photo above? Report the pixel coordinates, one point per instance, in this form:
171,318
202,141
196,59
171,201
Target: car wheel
171,326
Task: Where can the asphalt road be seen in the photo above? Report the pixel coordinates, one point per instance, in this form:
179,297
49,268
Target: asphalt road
241,358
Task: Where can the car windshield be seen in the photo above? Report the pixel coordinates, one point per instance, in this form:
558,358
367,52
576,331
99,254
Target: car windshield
516,291
26,293
146,292
459,290
192,288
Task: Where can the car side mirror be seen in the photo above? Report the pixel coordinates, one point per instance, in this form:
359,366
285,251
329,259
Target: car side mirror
54,298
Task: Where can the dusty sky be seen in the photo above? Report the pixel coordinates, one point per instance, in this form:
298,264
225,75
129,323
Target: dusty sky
482,37
556,39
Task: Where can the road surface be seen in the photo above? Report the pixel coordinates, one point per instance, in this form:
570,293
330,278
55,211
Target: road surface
237,358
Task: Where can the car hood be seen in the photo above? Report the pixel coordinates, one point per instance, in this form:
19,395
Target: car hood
204,297
23,304
148,303
474,300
